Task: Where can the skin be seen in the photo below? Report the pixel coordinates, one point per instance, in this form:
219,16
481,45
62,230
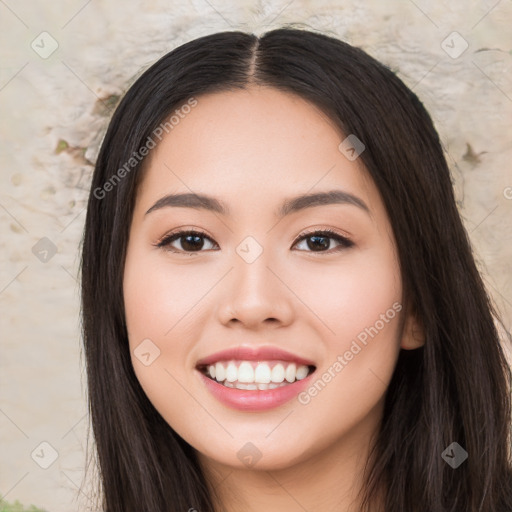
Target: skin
253,149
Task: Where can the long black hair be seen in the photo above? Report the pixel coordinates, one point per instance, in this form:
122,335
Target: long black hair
456,388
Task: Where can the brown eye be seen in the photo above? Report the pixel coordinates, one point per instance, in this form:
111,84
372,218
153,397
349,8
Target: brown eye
320,241
195,241
190,241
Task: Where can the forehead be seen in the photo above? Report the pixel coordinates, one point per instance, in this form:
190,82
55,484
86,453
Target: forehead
258,142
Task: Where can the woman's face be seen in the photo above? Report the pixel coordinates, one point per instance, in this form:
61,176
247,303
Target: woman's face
259,279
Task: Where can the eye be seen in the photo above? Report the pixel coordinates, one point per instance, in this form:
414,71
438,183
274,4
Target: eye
193,241
320,241
190,241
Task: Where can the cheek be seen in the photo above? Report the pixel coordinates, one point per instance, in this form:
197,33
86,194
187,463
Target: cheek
158,305
160,298
165,304
362,306
351,294
357,306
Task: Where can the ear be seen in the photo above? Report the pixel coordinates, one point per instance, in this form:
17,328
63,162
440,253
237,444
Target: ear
413,335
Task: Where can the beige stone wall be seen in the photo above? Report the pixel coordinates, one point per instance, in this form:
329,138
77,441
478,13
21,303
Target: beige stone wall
50,128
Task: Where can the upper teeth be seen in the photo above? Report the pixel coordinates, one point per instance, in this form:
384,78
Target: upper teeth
259,373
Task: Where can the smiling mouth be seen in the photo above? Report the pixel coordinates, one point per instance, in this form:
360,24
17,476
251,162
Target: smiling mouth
252,375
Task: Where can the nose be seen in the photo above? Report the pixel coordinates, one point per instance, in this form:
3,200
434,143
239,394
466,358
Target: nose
255,295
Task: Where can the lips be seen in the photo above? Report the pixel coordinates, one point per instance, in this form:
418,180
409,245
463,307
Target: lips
254,400
255,397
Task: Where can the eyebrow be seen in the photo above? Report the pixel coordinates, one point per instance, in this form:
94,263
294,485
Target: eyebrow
292,205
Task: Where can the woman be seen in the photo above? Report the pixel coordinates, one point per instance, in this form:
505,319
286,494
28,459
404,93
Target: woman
281,309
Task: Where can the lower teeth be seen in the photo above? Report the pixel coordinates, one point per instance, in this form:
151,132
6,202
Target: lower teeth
253,386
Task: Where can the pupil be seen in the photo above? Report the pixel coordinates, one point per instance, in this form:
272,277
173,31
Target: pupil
316,238
191,246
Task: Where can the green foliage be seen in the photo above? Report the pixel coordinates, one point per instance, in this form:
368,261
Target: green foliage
18,507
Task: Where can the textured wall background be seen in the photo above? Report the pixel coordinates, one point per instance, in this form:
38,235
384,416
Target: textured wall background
55,102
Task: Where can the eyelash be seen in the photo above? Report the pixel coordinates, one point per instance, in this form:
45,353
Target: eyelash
344,243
